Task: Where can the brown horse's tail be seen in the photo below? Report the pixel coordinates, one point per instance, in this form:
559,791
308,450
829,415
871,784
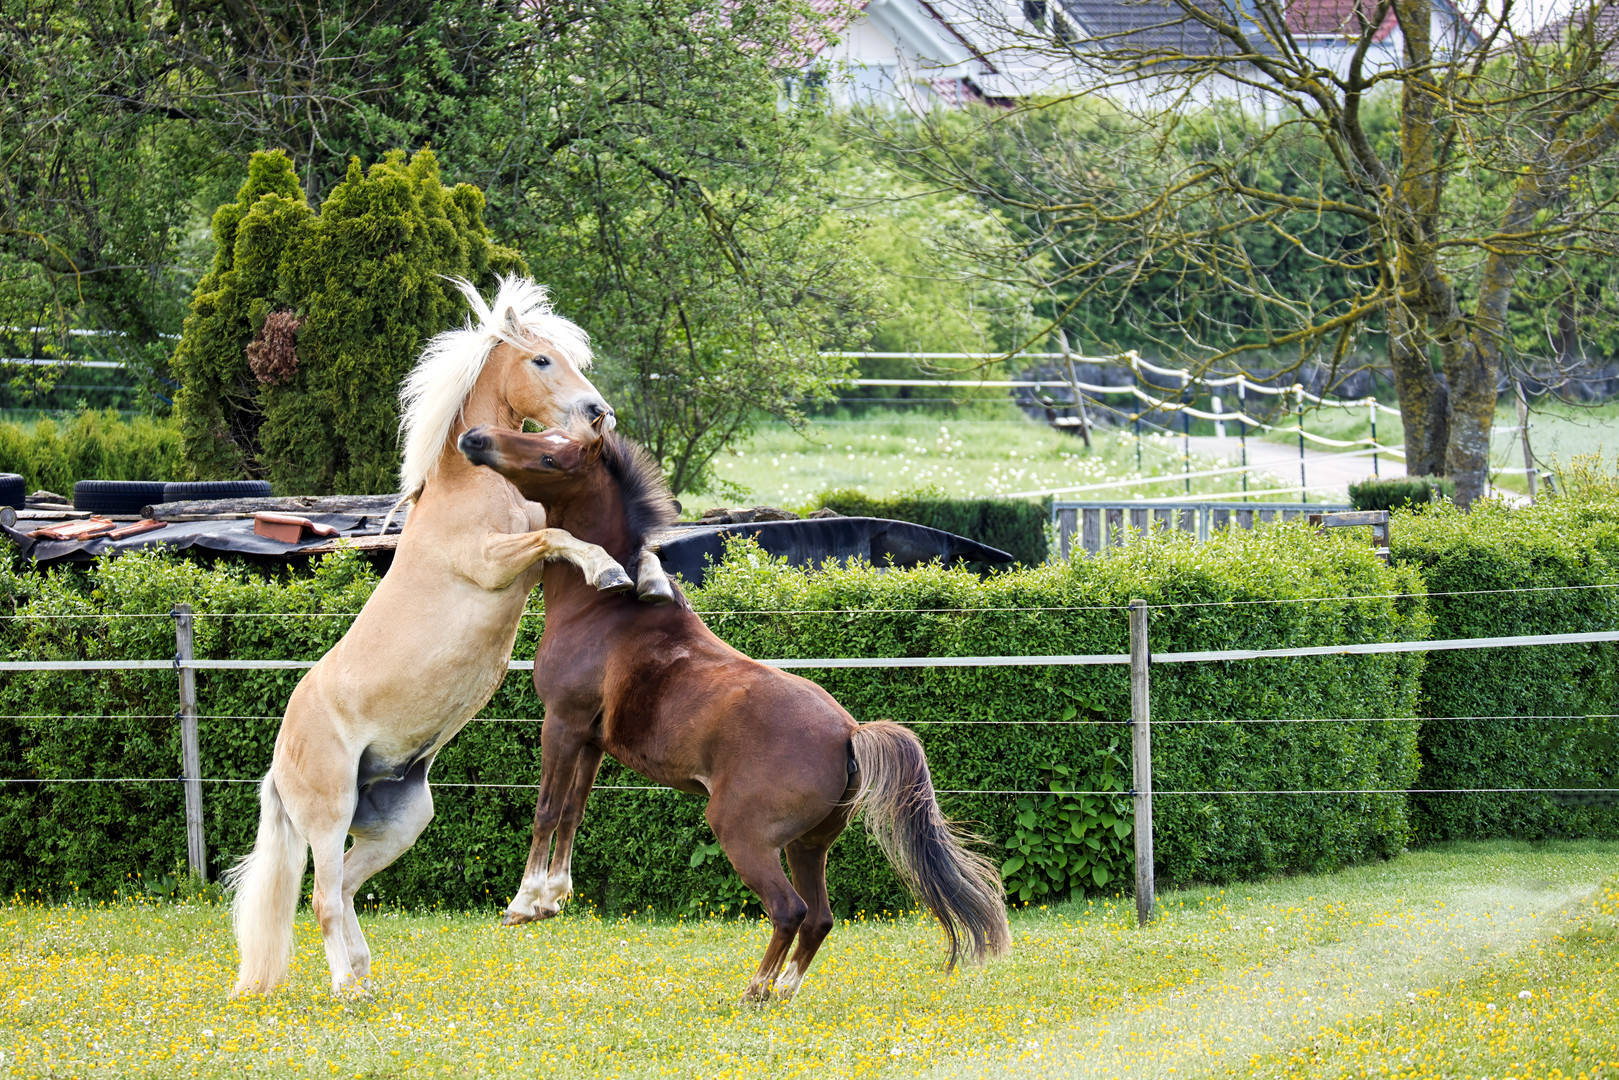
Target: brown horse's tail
962,889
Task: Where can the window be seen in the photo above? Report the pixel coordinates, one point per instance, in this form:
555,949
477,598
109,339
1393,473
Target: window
1035,11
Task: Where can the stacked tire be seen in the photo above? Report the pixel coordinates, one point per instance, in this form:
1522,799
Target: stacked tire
132,496
12,490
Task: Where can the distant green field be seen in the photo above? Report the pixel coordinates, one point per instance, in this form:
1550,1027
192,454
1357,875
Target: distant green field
1002,454
1559,432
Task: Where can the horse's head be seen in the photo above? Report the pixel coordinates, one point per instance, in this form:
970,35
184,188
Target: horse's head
540,381
543,466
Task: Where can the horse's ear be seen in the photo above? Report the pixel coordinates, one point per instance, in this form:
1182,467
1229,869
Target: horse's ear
594,449
511,326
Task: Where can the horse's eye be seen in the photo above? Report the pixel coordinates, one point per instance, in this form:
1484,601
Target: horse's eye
542,361
548,461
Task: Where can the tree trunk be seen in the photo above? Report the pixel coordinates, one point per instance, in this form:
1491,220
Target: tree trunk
1424,396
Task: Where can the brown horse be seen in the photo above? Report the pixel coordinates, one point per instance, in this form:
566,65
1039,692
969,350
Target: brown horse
783,765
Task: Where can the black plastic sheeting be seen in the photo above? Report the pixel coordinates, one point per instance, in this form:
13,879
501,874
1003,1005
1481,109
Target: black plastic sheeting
217,535
690,551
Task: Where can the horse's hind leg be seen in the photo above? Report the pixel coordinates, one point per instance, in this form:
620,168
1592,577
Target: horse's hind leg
387,821
758,864
320,798
806,858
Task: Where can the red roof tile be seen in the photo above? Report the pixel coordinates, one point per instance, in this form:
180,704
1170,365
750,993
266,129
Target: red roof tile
1344,19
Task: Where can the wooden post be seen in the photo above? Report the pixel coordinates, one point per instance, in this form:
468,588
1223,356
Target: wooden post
190,751
1073,381
1141,756
1523,434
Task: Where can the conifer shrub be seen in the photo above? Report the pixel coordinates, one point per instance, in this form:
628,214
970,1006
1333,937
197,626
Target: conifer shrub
302,330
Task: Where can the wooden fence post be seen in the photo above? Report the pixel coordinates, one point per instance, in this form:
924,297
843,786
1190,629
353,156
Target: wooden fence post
1141,756
190,751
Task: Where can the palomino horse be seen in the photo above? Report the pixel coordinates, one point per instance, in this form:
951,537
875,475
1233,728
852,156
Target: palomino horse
431,645
783,765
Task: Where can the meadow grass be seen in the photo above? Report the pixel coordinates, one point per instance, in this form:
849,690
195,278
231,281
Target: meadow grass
137,989
1559,432
994,452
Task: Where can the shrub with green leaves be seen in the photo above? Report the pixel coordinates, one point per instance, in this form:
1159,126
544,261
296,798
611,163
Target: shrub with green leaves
1399,492
987,730
1015,526
90,445
1536,717
300,334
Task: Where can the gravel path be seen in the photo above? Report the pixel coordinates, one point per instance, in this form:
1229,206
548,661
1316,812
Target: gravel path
1323,470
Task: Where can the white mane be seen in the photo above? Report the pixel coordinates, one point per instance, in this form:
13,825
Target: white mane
437,388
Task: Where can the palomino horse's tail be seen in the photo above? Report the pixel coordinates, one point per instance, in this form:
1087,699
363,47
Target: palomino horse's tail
265,885
961,888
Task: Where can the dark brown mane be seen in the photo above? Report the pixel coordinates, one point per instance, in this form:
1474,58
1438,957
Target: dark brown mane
647,502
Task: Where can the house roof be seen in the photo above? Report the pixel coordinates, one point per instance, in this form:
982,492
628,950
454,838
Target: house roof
1344,19
1603,24
1155,26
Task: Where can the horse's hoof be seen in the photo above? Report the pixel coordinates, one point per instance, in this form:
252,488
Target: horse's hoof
515,918
614,581
657,591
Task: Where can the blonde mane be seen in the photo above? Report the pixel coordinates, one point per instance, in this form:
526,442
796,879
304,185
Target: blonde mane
437,388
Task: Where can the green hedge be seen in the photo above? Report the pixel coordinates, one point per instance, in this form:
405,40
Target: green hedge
1488,712
1399,492
90,445
985,728
1016,527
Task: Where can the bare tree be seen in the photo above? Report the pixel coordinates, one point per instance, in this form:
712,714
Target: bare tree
1278,182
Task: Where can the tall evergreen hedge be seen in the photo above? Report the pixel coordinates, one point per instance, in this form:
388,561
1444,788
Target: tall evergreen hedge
336,307
1011,729
1539,717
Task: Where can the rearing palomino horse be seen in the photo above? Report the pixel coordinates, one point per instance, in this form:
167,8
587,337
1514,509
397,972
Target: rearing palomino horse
431,645
783,765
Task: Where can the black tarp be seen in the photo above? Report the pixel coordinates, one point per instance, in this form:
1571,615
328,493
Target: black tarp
217,535
690,550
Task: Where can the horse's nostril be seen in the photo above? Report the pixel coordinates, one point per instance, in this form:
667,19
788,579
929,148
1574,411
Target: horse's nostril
473,441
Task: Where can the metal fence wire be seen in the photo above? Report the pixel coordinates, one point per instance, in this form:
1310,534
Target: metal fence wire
1140,660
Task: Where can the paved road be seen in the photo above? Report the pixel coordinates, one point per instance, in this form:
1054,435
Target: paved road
1331,473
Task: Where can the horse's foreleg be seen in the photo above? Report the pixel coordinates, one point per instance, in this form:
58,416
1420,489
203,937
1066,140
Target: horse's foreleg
652,583
507,555
562,745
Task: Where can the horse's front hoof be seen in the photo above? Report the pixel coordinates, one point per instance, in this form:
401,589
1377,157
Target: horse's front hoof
655,591
516,918
613,581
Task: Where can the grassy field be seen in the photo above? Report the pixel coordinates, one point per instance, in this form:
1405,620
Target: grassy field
1558,433
998,452
1484,960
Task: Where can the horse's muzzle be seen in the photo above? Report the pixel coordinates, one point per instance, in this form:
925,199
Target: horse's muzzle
477,447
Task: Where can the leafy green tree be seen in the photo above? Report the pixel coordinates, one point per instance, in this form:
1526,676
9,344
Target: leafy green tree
302,331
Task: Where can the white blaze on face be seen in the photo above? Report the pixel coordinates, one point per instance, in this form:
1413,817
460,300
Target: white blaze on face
558,441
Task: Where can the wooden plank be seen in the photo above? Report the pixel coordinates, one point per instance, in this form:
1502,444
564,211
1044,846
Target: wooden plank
1164,517
1221,519
1091,530
1140,519
1141,756
1066,520
1245,518
190,750
1289,515
1351,517
1188,520
1115,525
1266,515
294,504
